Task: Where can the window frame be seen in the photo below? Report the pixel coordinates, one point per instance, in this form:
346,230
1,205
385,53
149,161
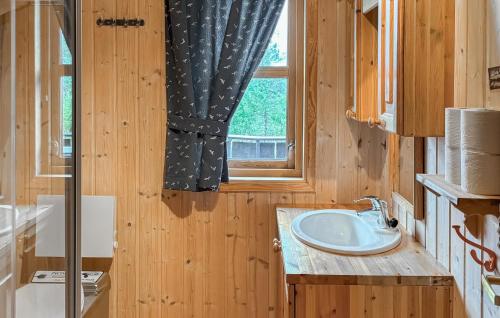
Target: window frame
294,72
57,72
48,139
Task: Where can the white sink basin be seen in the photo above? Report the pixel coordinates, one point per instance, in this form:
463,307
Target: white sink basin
344,232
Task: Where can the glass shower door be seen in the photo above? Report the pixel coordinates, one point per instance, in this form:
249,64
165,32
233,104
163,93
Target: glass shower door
7,166
39,193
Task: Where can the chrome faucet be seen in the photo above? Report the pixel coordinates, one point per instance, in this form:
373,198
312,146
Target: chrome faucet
380,206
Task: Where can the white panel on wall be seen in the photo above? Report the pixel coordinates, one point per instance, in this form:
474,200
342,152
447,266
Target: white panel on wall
98,228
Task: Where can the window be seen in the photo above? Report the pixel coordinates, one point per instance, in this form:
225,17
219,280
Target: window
53,94
65,92
265,135
61,98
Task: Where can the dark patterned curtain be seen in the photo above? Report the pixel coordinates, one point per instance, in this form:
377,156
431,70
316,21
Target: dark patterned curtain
213,48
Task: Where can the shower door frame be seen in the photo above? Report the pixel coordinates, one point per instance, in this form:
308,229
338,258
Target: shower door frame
73,185
13,52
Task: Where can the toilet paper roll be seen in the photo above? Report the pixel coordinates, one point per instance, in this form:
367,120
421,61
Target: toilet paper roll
480,173
452,165
480,130
452,127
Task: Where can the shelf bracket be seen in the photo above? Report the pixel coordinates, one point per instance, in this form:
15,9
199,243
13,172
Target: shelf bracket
491,264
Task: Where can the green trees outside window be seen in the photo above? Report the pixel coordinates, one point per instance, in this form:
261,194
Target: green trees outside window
263,109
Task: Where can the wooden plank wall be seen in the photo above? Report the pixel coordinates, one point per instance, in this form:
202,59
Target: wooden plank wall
29,184
5,107
186,254
203,255
440,240
477,48
312,301
5,153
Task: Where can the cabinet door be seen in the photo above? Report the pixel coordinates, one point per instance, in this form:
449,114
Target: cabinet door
416,65
364,106
289,301
390,68
355,301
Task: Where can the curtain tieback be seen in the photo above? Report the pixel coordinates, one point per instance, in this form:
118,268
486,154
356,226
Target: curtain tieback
198,125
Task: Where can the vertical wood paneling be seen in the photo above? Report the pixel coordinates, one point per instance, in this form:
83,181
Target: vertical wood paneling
202,255
442,242
36,185
174,253
476,57
217,208
382,301
348,139
372,160
304,198
450,53
328,91
477,25
105,107
436,59
214,251
473,287
477,48
22,105
151,103
193,205
172,284
251,257
410,74
461,24
490,240
314,301
492,48
457,264
468,297
88,99
128,157
357,307
422,9
443,229
275,261
42,102
263,212
405,169
105,112
430,198
236,255
5,102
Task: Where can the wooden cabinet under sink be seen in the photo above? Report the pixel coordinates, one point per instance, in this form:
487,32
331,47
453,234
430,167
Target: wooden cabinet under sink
353,301
403,282
404,78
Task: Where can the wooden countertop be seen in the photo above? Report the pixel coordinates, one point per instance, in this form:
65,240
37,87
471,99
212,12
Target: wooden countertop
408,264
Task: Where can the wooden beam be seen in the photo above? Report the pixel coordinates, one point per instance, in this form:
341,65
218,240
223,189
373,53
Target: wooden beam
418,167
